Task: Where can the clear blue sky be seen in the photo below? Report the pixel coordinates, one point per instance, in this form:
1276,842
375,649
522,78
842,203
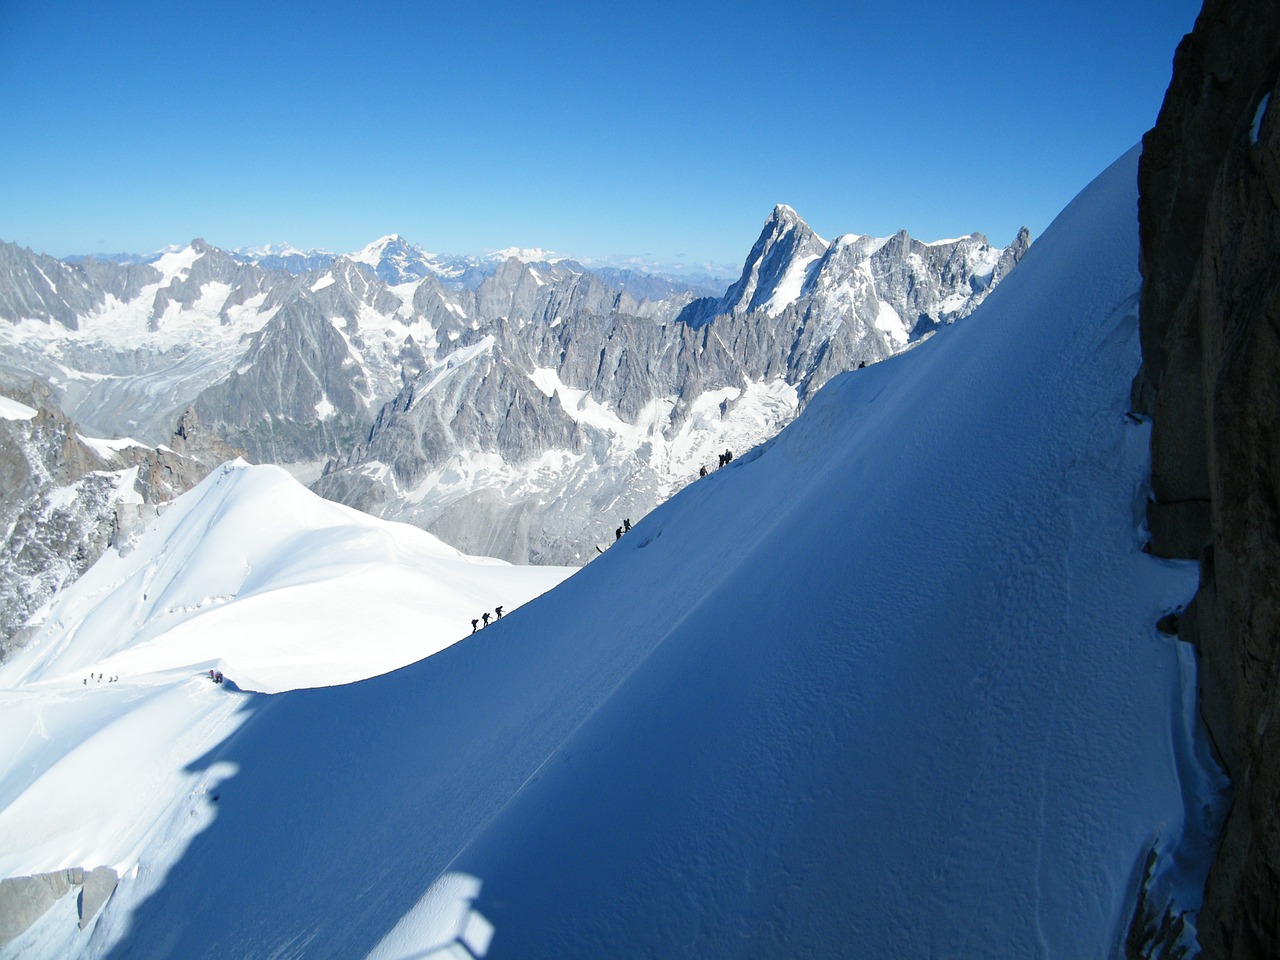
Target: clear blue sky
660,129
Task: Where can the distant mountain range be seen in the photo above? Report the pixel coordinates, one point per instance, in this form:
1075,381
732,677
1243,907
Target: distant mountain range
519,407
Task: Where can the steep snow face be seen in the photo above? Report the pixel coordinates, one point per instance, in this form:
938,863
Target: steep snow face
888,685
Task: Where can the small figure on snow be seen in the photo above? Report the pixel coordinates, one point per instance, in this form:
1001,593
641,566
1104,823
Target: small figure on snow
626,525
475,622
617,534
498,611
702,470
485,617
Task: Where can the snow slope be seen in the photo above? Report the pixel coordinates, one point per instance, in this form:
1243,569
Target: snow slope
250,574
888,686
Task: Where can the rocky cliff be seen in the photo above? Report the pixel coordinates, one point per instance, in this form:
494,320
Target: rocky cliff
1209,216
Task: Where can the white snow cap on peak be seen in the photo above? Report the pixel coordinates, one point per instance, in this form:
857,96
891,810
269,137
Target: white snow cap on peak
785,218
373,252
526,255
783,211
275,250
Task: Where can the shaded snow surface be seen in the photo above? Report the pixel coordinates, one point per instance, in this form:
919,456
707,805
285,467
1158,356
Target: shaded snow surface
887,687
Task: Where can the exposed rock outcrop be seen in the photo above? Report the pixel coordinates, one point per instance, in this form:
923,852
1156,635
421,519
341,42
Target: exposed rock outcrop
1209,216
24,900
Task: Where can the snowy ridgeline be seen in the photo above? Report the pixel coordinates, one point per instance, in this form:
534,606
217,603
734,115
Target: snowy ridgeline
887,686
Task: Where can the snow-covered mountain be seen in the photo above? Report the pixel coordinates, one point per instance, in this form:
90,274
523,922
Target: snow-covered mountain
395,260
889,685
520,408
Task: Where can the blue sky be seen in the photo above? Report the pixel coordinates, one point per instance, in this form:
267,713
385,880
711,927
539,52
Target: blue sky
662,130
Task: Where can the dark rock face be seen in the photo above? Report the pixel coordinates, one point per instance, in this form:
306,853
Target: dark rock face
1209,216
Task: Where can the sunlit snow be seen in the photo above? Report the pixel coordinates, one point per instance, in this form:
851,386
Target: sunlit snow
13,410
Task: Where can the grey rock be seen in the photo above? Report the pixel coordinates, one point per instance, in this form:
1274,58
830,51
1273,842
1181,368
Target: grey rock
99,884
24,900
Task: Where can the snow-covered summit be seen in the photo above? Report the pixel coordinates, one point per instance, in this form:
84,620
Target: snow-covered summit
395,260
525,255
277,250
874,279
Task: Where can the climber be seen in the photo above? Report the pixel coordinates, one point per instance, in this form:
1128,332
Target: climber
485,617
475,622
498,611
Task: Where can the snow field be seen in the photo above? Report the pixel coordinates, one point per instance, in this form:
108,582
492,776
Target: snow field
249,574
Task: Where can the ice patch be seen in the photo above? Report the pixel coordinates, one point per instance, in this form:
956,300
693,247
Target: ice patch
888,321
106,449
790,286
1255,128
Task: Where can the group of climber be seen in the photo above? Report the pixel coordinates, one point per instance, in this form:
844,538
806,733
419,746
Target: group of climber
98,679
215,676
485,617
725,459
626,527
